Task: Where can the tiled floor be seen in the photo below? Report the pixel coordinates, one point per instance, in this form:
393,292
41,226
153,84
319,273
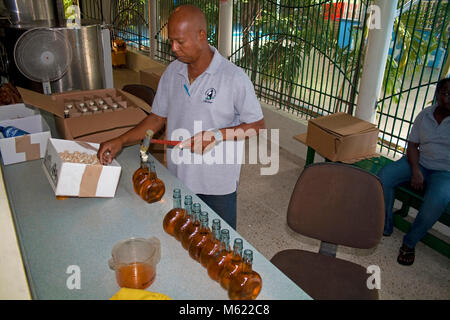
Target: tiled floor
262,205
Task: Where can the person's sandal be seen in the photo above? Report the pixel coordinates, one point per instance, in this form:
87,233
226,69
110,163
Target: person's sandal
406,256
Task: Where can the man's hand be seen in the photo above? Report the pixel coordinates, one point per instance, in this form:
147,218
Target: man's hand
417,180
199,143
108,150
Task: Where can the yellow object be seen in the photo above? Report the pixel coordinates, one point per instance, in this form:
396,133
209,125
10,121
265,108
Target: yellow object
119,52
137,294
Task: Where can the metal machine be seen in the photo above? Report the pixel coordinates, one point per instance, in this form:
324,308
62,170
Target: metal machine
44,57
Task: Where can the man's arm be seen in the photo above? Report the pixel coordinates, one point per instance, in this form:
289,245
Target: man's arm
205,140
109,149
412,152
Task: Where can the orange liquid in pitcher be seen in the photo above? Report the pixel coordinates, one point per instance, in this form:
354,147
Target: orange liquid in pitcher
135,275
139,176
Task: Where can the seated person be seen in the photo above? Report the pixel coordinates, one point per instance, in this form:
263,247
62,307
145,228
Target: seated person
426,166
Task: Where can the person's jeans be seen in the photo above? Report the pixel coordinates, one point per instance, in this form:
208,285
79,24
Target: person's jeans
224,205
436,198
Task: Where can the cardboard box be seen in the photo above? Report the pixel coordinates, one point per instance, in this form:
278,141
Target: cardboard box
93,126
78,179
342,137
19,110
150,77
28,147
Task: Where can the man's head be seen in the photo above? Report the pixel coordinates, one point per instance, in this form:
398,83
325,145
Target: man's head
187,33
443,93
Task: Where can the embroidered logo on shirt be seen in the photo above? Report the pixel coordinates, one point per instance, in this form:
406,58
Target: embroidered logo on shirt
210,94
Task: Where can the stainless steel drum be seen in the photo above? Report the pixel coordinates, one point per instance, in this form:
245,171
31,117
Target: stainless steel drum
31,13
86,71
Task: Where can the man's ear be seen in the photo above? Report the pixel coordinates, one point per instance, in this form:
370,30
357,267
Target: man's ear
202,35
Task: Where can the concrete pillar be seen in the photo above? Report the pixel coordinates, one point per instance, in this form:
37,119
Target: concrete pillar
379,40
225,27
152,25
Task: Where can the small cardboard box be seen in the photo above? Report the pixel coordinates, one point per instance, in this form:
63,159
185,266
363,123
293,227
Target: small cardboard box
95,125
78,179
342,137
150,77
28,147
19,110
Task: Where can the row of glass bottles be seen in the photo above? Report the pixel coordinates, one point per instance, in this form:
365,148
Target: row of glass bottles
211,248
145,180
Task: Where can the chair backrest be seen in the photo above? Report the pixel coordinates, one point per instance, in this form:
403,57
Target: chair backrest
141,91
338,203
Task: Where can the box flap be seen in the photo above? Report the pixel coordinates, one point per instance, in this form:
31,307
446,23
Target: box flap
41,101
136,100
84,125
343,124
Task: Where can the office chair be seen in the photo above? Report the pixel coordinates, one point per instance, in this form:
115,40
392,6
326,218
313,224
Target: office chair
338,204
141,91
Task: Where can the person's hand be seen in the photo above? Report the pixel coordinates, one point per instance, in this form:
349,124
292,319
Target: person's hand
199,143
417,180
108,150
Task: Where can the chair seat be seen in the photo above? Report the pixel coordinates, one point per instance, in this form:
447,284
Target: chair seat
324,277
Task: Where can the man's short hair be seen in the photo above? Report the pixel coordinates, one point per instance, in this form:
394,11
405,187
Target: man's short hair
441,83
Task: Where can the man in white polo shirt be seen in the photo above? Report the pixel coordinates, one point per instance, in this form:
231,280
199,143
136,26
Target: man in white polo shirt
427,167
208,103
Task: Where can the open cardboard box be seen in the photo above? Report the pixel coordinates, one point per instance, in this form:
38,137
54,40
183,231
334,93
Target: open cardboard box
150,77
28,147
95,125
78,179
342,137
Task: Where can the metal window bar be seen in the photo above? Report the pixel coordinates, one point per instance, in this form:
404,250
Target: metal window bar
410,77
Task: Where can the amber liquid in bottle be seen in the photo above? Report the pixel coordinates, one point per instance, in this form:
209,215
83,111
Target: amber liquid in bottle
233,266
183,223
212,245
198,241
173,215
191,229
140,175
135,275
215,265
247,284
152,189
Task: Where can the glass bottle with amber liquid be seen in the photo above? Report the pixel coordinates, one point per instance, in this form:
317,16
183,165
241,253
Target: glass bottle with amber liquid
215,265
193,228
198,241
173,215
212,245
140,175
184,222
152,189
247,284
233,266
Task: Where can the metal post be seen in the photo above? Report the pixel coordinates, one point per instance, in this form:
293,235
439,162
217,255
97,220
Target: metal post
225,27
376,58
152,24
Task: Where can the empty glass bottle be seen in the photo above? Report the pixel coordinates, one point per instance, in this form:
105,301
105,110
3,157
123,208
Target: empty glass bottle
215,265
184,222
174,214
233,266
199,239
152,189
247,284
191,229
212,245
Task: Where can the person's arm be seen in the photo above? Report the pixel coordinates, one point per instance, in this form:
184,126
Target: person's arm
412,153
109,149
205,140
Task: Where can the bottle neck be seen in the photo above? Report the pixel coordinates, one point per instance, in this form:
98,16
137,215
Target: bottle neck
176,202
